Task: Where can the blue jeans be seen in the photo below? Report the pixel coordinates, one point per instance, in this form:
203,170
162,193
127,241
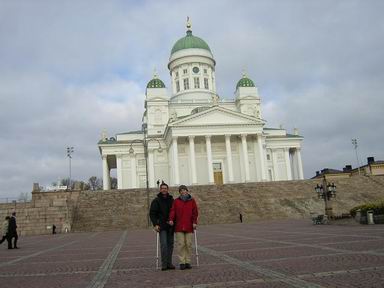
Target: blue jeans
166,247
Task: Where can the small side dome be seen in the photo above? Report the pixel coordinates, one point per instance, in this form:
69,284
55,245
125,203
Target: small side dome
155,83
245,82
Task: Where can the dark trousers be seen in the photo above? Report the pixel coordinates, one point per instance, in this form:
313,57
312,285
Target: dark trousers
3,239
166,247
13,235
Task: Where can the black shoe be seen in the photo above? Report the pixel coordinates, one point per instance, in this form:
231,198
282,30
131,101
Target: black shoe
10,248
182,266
15,247
171,267
188,266
164,268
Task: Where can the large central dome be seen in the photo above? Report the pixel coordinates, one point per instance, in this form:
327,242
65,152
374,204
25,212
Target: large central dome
190,41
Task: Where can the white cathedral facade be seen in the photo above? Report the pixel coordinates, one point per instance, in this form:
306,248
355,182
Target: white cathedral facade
193,137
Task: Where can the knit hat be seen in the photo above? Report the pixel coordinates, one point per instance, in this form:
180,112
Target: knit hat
181,187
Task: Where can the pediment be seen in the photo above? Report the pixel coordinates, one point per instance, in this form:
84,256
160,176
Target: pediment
217,116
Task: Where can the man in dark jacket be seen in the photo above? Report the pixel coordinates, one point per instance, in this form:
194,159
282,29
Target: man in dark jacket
159,213
12,228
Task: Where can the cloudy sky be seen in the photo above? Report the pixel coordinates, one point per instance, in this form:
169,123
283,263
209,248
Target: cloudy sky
69,69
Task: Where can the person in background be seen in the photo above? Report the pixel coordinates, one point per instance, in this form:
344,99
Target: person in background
184,215
5,229
12,229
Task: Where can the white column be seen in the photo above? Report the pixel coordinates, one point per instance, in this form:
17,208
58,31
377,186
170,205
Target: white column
261,153
119,167
229,157
245,156
288,164
299,164
151,169
209,158
257,160
175,161
192,159
133,171
106,176
275,167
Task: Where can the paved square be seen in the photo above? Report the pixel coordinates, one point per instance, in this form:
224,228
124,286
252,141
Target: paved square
285,253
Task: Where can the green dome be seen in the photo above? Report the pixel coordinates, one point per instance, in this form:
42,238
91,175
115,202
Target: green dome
155,83
245,82
190,41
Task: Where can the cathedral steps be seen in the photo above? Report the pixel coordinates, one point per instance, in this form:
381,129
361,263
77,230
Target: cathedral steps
126,209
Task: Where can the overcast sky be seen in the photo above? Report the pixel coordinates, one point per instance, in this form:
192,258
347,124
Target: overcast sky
69,69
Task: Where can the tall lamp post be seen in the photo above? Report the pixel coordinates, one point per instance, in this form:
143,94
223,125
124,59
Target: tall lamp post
70,150
145,142
326,191
354,143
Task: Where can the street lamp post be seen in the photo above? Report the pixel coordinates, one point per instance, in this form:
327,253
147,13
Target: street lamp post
354,143
145,142
326,191
70,150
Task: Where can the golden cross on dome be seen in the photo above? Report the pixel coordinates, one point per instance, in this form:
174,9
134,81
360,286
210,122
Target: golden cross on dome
189,24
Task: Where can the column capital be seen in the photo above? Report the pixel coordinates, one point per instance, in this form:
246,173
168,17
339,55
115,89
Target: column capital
175,138
104,157
119,156
208,137
191,137
227,135
243,135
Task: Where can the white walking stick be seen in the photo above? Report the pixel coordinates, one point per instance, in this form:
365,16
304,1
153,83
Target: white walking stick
196,251
157,250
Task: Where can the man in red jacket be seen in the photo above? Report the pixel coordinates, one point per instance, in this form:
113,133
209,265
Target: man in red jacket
184,216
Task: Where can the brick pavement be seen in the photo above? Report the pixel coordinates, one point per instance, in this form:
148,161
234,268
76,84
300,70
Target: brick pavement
286,253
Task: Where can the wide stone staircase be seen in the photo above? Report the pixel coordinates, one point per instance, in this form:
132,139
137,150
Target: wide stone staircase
122,209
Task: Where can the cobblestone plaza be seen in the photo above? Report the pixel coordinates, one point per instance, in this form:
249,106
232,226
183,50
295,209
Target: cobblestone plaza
284,253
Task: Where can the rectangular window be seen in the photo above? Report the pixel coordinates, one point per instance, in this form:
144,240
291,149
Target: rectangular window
186,84
185,71
206,83
177,74
177,86
196,80
268,157
205,71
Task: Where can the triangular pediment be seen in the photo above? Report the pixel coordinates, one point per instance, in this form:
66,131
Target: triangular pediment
217,116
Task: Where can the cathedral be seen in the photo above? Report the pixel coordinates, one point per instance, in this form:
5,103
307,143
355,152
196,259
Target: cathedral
191,136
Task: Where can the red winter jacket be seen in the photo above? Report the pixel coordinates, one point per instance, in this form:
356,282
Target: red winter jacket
184,214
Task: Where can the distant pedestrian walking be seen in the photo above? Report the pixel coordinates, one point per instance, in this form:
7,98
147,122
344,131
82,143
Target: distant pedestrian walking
12,230
184,215
4,231
241,217
159,214
53,229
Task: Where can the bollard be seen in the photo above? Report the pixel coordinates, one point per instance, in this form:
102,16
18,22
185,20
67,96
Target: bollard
370,217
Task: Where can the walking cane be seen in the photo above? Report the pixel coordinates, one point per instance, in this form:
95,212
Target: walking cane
196,252
157,250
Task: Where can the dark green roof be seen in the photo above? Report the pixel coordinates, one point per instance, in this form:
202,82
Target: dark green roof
155,83
245,82
190,41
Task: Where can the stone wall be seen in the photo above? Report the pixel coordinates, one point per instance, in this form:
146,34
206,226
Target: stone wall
121,209
127,209
44,210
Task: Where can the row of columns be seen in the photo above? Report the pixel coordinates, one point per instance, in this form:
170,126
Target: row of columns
258,154
258,151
